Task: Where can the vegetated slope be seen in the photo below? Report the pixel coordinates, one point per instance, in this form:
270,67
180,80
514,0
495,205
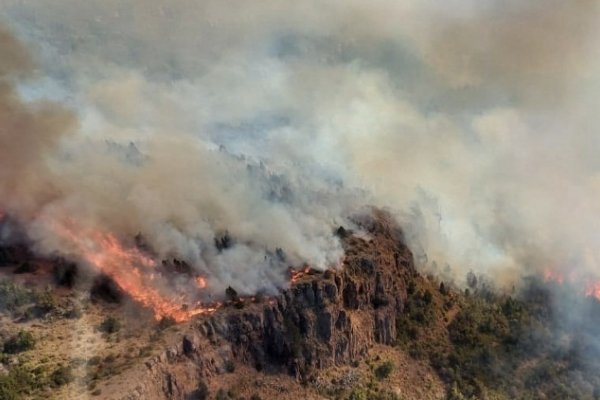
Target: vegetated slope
373,329
539,343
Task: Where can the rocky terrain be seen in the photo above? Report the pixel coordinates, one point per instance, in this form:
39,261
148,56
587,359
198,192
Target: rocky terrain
321,337
324,320
372,328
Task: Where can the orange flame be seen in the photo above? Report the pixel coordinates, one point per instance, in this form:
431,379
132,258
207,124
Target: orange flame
127,267
552,276
296,275
200,282
591,289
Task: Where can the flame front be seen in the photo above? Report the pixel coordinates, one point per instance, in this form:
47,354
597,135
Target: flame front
590,288
295,275
133,271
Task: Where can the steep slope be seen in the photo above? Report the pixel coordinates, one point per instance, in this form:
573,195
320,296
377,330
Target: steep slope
324,320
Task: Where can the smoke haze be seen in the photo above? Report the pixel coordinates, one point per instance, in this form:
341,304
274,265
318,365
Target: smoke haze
474,121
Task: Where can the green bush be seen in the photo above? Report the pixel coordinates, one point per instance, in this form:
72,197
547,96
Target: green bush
22,341
45,303
8,391
13,296
20,381
110,325
62,376
358,394
384,370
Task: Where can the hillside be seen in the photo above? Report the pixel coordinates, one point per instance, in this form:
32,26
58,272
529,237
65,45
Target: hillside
374,328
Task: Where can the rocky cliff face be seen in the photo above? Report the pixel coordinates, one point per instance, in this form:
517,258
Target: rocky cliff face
324,319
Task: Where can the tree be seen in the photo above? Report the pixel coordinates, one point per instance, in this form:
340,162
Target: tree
22,341
472,280
110,325
231,294
384,370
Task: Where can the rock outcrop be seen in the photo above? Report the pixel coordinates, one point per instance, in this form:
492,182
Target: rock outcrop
323,319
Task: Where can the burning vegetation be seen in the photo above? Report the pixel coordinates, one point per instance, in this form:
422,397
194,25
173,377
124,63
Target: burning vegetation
587,286
190,184
133,271
140,276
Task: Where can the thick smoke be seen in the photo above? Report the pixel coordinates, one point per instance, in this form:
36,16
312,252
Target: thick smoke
29,134
474,120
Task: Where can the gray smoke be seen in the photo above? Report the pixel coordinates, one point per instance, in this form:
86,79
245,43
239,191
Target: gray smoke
474,120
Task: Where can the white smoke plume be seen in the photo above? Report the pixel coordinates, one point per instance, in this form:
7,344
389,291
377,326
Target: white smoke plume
474,120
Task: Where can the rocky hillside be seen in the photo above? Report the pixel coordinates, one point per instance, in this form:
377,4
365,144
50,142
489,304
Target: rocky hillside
324,320
373,328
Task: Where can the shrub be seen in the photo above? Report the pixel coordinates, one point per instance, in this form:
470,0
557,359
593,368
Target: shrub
8,390
231,294
443,289
229,366
427,297
24,268
13,296
74,312
259,298
19,381
384,370
45,303
110,325
359,394
22,341
201,393
62,375
165,322
380,301
65,273
222,395
95,360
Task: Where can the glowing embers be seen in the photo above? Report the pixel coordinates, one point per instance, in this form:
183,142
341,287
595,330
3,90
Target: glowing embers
133,271
200,282
296,275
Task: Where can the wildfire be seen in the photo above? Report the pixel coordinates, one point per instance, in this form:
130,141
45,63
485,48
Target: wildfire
295,275
127,267
200,282
591,289
552,276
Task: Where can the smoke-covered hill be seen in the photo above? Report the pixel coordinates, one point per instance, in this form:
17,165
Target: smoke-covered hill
374,328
